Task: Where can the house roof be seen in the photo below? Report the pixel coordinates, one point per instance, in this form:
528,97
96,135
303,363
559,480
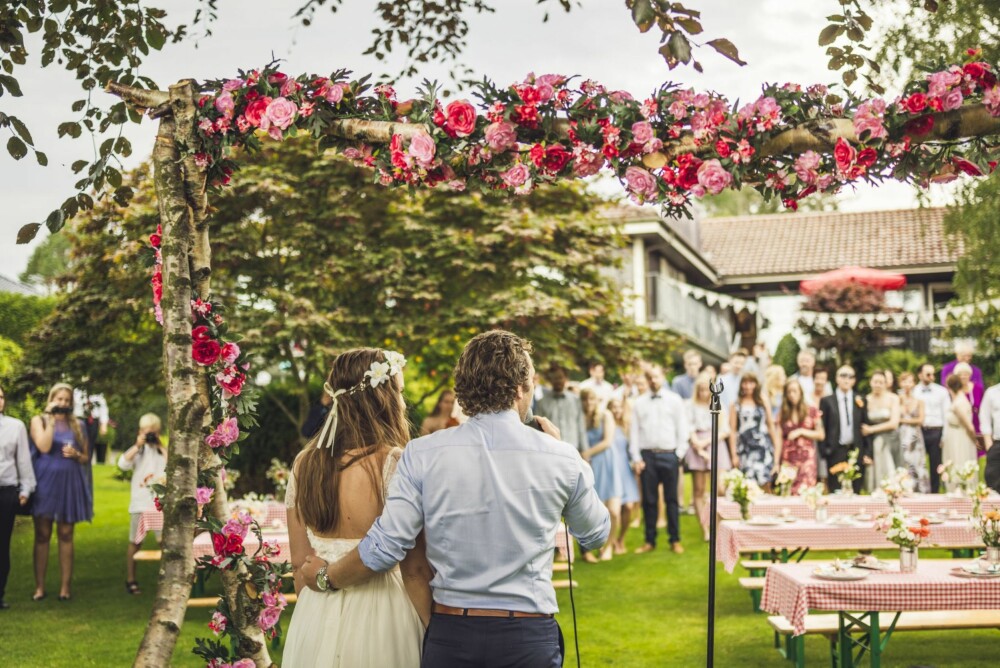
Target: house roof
790,245
10,285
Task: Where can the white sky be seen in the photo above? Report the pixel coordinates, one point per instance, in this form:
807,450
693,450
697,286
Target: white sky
599,41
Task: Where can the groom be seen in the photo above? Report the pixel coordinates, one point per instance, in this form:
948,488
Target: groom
489,495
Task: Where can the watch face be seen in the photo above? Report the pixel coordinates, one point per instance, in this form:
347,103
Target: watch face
321,580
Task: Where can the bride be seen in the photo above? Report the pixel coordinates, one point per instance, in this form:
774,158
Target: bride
335,493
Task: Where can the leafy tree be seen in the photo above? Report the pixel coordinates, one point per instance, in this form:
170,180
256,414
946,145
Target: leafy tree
20,314
48,262
787,353
851,342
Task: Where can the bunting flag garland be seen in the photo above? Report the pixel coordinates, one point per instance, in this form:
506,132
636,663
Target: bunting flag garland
900,319
712,298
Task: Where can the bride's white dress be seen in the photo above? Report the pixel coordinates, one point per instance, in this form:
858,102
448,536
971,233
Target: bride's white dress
372,625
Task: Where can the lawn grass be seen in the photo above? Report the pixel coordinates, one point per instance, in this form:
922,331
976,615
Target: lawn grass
635,611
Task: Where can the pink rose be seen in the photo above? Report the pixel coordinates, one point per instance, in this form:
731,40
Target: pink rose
871,124
422,149
767,106
225,434
224,104
230,352
517,176
677,109
203,495
255,111
290,87
642,132
334,92
501,136
232,84
235,527
641,183
952,99
806,166
280,113
268,618
587,162
244,663
461,117
713,176
231,381
991,98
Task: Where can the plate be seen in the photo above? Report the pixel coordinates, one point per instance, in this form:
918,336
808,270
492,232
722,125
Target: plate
763,521
935,519
791,518
841,520
963,572
976,568
844,575
864,518
872,564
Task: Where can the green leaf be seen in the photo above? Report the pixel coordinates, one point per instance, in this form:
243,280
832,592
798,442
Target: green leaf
727,49
690,25
42,159
829,34
27,232
10,83
864,20
78,165
849,77
79,105
16,148
21,129
55,221
156,37
643,14
70,128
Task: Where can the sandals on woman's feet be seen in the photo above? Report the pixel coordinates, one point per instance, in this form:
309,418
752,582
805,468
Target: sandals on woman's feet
132,587
38,597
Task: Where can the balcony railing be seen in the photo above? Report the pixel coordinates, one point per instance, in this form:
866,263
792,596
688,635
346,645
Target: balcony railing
706,326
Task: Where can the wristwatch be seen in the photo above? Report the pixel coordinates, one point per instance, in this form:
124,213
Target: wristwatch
322,582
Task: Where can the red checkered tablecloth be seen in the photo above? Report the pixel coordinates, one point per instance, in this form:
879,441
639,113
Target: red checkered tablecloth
770,505
203,544
270,515
736,536
791,591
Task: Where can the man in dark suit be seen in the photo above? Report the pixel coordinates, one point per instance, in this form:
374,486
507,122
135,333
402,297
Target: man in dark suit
843,414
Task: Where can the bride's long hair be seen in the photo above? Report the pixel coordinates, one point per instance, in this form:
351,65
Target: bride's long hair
370,422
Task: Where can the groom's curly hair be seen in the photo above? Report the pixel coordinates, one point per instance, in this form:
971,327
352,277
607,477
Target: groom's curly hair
489,372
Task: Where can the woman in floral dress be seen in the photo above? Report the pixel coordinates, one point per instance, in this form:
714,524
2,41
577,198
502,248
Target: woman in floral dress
753,434
800,429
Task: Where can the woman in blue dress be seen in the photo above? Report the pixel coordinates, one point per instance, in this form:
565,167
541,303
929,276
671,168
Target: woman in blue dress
752,428
630,488
60,452
601,455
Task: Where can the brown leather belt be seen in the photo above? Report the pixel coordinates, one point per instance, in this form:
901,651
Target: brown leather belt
481,612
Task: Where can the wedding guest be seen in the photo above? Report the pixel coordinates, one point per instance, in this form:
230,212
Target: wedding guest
973,392
93,410
147,461
601,455
963,355
881,427
17,482
774,386
752,433
758,360
936,401
890,380
641,387
699,456
627,391
911,438
958,443
843,413
683,384
800,429
811,378
989,423
440,418
596,382
710,371
731,375
630,488
657,444
563,408
317,416
60,451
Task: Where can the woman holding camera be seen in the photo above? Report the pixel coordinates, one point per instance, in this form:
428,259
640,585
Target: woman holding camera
147,461
60,452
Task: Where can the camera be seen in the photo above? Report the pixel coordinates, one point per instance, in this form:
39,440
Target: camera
152,439
61,410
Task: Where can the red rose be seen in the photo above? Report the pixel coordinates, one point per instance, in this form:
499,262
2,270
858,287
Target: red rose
537,154
790,203
685,160
556,157
808,191
255,110
919,126
206,351
234,544
529,94
155,240
687,176
915,103
722,148
231,380
438,117
157,282
867,157
935,103
461,117
200,333
157,503
219,543
981,74
967,167
844,154
526,115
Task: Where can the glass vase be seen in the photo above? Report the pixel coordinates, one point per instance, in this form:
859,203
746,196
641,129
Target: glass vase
745,510
908,559
821,513
993,557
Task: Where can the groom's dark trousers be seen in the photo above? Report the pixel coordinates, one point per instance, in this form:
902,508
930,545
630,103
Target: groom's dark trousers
453,641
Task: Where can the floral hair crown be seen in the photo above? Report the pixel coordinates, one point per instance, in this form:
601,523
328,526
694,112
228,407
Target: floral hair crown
377,373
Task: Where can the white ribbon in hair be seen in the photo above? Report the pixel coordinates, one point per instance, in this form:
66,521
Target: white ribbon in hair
330,426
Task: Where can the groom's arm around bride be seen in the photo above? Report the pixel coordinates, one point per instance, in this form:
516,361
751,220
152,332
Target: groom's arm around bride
489,496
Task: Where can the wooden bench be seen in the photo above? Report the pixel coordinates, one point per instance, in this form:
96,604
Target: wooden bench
148,555
793,647
755,585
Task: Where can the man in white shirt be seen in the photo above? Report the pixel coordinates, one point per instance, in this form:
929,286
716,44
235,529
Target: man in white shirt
806,362
657,444
683,385
731,380
17,482
596,383
936,402
989,424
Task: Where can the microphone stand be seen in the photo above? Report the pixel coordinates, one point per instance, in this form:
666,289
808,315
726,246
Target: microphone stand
715,408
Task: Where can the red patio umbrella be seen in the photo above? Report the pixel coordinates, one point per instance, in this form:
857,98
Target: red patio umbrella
876,278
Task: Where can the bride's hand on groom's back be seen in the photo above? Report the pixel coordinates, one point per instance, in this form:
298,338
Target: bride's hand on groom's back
305,576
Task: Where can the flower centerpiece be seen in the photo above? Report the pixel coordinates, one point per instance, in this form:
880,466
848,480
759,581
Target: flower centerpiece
847,472
278,474
906,535
785,479
816,500
895,485
965,475
742,490
987,525
978,494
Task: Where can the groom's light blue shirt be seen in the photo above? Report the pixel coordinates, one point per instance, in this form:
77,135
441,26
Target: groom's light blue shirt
489,494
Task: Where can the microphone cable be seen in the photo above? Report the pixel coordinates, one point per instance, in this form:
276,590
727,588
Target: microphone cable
572,603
